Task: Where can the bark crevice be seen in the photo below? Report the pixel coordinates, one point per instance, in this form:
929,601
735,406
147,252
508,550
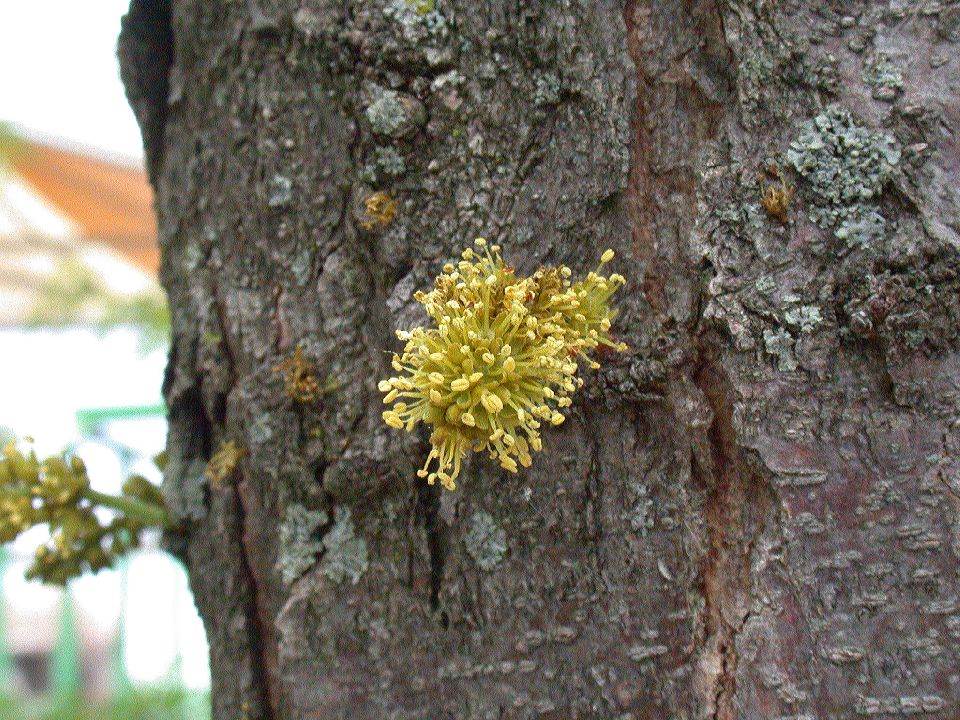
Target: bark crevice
739,500
428,499
262,651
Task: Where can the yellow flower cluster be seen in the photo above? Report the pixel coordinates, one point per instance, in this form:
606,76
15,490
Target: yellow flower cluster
56,492
502,359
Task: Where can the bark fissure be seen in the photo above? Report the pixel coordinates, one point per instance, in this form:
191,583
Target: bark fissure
691,80
428,498
739,499
262,649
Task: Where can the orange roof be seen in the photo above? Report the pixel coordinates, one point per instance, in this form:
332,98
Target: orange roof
110,202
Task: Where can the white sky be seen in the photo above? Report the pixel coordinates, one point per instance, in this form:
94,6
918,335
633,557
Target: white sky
59,75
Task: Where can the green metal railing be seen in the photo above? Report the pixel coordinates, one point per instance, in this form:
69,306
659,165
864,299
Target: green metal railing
6,662
90,421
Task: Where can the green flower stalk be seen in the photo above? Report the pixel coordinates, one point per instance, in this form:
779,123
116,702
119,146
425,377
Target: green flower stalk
56,492
502,359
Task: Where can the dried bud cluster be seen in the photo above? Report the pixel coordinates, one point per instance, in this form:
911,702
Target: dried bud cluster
56,492
224,462
300,378
379,209
502,359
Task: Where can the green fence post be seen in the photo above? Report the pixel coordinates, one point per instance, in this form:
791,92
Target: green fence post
122,687
6,662
66,672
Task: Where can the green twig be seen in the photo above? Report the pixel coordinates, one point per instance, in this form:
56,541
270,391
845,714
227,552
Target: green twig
148,513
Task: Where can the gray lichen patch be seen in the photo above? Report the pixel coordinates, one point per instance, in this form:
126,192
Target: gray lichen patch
420,20
486,541
846,167
779,343
805,318
260,430
385,113
185,488
346,557
384,163
641,513
281,191
299,544
756,74
862,229
884,77
547,90
393,114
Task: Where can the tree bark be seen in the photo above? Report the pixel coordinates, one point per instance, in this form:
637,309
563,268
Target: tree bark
750,514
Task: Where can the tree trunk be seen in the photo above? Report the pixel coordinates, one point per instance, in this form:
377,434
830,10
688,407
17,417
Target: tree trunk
750,514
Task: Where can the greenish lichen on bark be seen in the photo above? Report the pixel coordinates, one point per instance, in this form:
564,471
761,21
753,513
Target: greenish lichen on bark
300,543
847,167
486,542
346,554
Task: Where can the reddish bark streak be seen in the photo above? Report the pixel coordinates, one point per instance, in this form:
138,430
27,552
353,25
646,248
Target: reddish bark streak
738,502
260,614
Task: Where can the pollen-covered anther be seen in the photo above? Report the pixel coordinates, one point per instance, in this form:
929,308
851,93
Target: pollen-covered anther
491,403
392,419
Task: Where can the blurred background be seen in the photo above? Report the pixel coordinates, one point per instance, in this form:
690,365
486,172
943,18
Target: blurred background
83,339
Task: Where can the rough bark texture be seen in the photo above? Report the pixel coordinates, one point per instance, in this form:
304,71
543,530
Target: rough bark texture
752,514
